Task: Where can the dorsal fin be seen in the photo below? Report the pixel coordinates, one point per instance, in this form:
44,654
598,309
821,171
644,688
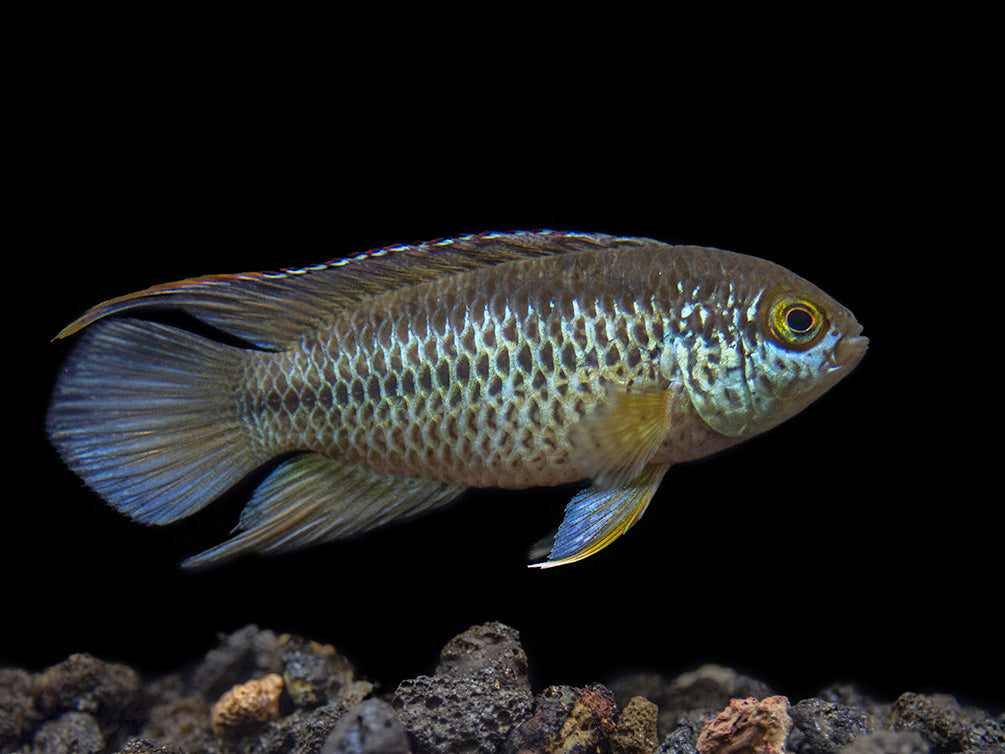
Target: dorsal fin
272,309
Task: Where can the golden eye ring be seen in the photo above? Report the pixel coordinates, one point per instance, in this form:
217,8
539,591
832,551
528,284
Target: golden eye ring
796,323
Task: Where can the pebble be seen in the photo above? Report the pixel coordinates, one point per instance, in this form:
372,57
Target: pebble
370,727
748,726
71,733
827,726
247,706
945,725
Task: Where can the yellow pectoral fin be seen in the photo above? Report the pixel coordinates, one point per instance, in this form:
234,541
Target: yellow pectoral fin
598,515
616,444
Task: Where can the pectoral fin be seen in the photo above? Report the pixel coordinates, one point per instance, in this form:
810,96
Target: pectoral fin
598,515
616,444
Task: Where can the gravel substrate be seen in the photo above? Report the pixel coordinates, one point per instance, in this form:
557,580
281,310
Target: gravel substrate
258,692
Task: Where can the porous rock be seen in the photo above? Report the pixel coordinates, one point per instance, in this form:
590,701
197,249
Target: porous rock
826,727
86,684
446,714
479,692
246,706
566,720
945,725
748,726
70,733
491,649
635,731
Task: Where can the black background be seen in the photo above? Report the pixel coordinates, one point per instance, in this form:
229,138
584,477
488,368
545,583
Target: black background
858,542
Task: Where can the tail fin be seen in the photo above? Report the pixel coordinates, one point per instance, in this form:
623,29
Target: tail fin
146,415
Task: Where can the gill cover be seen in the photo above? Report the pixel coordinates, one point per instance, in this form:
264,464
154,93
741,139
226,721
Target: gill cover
712,369
731,376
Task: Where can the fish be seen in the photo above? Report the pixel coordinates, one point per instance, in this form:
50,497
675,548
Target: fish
385,384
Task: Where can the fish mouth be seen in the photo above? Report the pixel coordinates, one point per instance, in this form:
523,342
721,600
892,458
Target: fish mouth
848,351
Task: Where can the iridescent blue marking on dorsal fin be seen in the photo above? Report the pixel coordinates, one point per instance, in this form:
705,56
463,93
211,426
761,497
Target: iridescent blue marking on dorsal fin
273,309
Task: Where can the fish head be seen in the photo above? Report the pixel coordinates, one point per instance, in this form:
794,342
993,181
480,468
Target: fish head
777,345
805,343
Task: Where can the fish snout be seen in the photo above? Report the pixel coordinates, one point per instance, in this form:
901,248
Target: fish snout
848,351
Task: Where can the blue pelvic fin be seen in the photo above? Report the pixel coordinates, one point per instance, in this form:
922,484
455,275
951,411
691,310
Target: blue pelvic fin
311,499
598,515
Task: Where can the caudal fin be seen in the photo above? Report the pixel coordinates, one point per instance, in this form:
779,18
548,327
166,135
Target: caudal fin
146,415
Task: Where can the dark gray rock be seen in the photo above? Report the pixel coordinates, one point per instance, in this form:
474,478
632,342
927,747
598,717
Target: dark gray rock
491,650
679,741
826,727
313,673
109,692
368,728
70,733
304,731
84,683
15,705
850,695
247,653
480,691
448,715
945,725
182,723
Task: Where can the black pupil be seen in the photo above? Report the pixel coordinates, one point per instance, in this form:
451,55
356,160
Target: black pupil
799,320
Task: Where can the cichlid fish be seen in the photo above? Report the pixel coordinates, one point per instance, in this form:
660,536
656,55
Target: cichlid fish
387,383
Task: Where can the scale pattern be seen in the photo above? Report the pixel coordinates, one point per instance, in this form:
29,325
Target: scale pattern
474,380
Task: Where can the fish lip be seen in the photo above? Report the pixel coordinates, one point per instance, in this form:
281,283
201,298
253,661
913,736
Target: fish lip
848,351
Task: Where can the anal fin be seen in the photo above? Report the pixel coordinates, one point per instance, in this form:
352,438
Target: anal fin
311,499
598,515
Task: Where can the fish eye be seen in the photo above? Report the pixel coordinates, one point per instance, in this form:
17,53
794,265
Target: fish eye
795,323
799,319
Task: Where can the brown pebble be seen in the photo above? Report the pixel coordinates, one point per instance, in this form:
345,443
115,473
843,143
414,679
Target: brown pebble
247,706
636,732
749,726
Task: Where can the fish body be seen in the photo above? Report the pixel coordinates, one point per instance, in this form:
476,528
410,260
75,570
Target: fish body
396,379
